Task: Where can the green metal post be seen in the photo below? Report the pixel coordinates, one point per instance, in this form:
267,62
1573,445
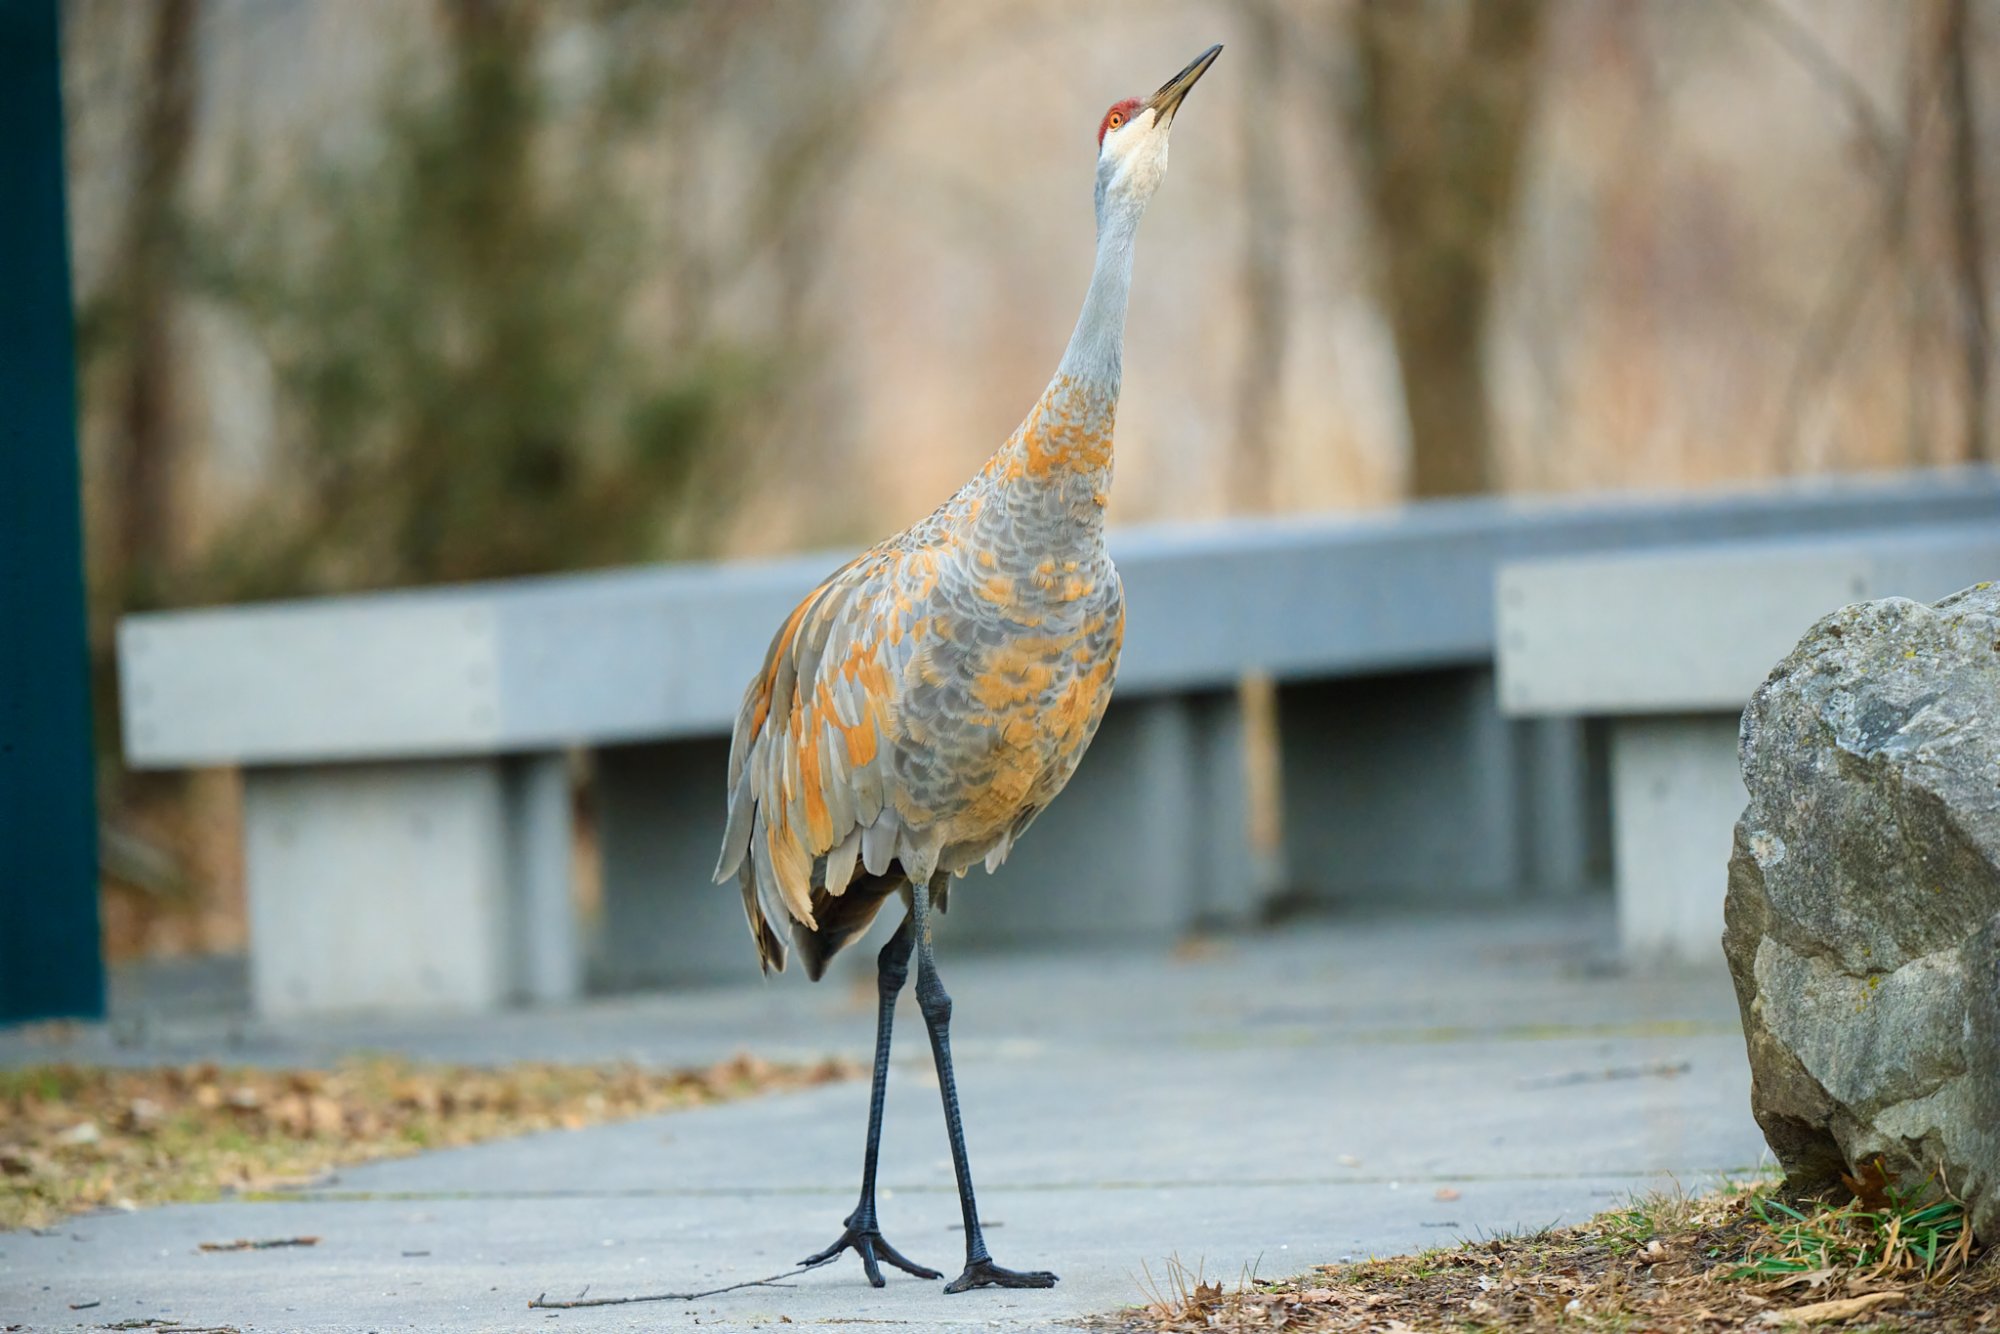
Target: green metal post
50,959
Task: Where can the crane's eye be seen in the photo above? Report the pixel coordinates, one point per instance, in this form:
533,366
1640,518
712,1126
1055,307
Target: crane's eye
1119,115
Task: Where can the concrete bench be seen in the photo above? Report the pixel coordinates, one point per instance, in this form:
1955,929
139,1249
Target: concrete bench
407,800
1668,647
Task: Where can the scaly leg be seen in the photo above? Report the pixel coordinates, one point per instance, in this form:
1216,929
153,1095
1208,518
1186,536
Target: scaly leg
863,1233
980,1271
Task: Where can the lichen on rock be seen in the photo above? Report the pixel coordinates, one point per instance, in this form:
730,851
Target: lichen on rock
1863,913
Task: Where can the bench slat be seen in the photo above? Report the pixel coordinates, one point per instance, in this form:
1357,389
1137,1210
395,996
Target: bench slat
662,652
1696,630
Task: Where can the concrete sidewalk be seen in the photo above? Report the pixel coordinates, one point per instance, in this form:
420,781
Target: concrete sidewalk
1335,1089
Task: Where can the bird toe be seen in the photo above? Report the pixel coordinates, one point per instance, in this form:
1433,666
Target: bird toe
986,1274
873,1249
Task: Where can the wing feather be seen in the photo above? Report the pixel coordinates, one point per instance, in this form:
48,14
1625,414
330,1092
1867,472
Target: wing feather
878,843
810,755
840,862
836,785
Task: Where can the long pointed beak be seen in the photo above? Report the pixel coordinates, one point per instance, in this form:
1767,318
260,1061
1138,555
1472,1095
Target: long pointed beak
1168,100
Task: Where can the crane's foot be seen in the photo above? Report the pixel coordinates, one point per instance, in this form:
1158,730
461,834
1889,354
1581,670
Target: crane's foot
868,1243
986,1274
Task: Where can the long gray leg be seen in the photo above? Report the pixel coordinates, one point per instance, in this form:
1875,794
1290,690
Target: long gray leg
863,1233
980,1271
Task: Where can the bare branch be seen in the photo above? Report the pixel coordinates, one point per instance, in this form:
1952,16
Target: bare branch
1260,375
1804,46
542,1302
1832,324
1962,125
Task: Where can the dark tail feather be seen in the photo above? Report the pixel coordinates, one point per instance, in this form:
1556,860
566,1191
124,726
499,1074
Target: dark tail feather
842,919
770,949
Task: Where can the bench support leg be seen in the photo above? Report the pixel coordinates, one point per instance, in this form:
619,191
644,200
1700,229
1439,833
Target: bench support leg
547,958
1111,858
660,812
414,885
1150,838
1676,794
1234,880
1413,788
1565,798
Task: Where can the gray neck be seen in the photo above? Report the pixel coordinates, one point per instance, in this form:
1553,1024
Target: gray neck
1096,353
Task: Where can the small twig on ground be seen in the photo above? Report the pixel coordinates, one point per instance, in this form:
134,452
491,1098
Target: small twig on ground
542,1302
1655,1070
268,1244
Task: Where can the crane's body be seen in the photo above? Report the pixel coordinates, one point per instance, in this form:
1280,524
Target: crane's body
924,704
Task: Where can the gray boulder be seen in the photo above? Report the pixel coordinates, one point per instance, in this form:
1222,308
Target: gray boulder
1863,917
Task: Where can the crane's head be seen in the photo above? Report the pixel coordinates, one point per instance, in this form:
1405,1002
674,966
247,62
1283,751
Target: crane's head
1132,141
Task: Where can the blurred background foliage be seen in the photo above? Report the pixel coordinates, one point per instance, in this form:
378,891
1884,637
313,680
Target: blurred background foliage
448,324
387,292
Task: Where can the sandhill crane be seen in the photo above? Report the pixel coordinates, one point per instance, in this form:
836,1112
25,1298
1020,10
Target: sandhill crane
919,708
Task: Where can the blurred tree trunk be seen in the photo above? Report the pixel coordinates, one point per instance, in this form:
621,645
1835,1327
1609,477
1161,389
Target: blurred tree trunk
1968,241
145,457
474,483
1439,119
1260,378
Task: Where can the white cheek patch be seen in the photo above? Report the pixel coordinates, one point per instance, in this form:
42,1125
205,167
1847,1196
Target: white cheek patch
1120,144
1137,152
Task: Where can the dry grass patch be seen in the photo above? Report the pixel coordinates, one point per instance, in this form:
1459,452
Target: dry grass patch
75,1137
1742,1258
